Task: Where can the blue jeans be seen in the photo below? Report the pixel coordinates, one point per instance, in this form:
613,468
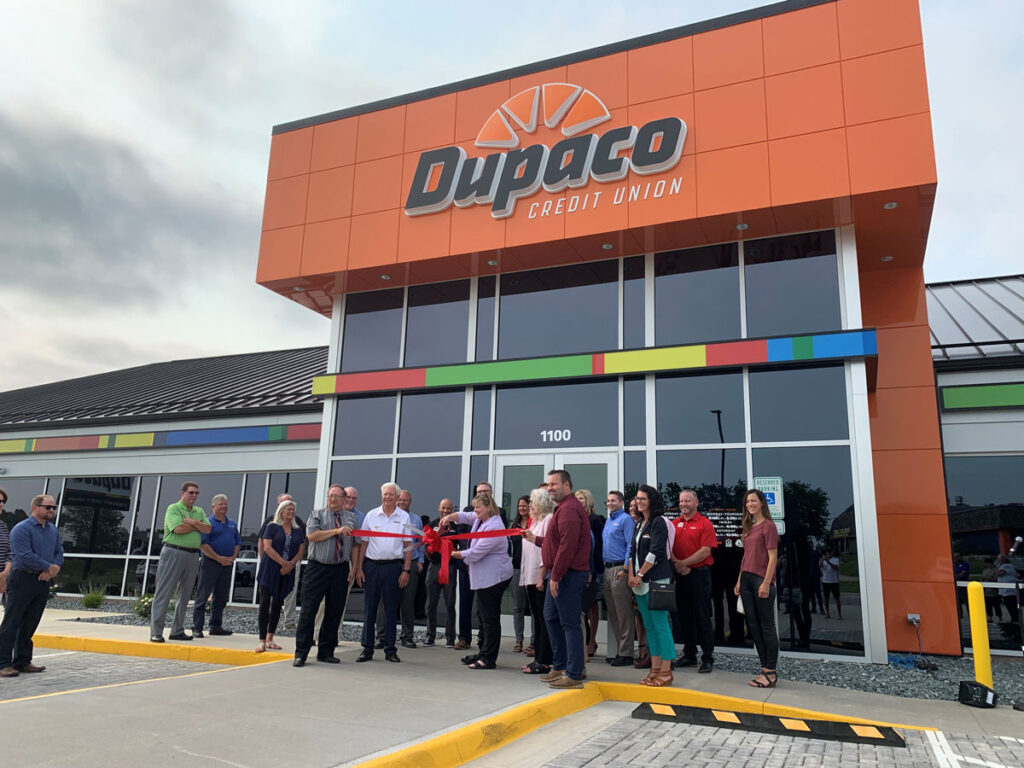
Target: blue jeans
562,617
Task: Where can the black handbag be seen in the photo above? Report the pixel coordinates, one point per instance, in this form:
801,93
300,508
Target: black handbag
662,597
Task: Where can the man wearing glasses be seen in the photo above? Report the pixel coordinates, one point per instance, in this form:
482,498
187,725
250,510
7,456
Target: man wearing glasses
37,554
184,524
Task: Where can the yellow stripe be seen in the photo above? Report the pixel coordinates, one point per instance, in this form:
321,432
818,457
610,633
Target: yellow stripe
656,359
323,385
867,731
663,709
199,653
104,441
12,446
725,717
134,440
794,725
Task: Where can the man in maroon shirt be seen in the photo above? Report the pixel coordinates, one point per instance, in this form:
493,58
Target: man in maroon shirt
691,559
565,553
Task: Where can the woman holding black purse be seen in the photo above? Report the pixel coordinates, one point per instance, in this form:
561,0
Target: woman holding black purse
650,576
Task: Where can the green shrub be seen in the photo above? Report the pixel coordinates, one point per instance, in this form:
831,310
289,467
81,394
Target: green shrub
143,606
94,598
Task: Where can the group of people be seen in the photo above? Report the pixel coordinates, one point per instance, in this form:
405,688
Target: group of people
558,562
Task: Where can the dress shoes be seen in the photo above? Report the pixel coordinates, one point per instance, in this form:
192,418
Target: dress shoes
622,661
31,668
221,632
392,657
180,636
300,661
379,645
429,642
329,659
156,638
364,656
706,666
198,633
682,662
408,644
9,672
461,645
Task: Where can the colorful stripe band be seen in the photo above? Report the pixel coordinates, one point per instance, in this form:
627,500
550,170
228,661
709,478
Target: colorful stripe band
186,438
792,349
1009,395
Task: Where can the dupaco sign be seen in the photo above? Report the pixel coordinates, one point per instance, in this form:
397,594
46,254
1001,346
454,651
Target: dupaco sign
448,176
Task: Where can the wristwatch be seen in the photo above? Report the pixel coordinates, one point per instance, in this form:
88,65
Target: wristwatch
406,570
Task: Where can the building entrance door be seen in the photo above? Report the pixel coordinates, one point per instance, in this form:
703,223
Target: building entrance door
519,474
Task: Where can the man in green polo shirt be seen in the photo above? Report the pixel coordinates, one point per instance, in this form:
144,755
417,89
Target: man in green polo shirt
179,563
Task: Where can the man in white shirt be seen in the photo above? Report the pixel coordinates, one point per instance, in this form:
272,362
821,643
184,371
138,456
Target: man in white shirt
383,570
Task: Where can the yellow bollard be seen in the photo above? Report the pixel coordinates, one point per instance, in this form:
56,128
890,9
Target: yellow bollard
979,634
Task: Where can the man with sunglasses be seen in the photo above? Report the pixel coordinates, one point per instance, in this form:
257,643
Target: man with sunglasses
184,524
38,555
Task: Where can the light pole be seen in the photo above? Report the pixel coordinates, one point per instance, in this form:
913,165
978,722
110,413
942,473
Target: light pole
721,438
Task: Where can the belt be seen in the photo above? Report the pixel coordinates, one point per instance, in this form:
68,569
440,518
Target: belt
193,550
396,561
613,565
318,562
26,570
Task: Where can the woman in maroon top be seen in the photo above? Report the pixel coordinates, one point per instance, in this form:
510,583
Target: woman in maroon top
756,584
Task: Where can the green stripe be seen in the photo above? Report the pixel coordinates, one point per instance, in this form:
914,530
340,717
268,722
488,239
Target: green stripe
803,347
510,370
277,433
983,396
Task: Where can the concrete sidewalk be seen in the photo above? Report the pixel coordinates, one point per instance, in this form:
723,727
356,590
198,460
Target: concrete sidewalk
344,714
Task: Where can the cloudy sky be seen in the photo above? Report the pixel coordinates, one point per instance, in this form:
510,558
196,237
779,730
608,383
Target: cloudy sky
134,139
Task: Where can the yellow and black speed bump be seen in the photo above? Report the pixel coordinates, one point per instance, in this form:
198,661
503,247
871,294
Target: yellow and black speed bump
856,733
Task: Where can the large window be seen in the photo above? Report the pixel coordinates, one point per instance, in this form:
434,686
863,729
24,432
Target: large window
798,404
557,415
697,295
19,497
373,330
633,302
429,480
437,325
704,408
559,311
96,514
431,421
365,425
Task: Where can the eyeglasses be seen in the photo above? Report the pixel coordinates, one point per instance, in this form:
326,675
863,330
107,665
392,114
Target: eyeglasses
49,507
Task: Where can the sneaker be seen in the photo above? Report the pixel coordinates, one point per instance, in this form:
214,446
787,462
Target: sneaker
221,632
198,633
554,674
565,682
429,642
450,645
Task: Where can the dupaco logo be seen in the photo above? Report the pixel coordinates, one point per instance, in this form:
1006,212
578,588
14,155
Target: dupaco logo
448,176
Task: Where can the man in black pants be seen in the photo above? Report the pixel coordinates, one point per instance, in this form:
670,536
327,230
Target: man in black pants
692,560
38,555
327,576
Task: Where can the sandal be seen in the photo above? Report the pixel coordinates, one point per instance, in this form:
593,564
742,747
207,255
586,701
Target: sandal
533,668
770,679
471,659
518,647
261,648
272,646
662,678
528,650
481,664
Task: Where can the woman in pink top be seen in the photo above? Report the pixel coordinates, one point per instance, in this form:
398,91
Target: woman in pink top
756,584
531,576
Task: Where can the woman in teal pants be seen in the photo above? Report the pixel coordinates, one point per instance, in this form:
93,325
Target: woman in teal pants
649,561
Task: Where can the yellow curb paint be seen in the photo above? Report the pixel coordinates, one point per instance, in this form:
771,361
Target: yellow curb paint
797,725
201,654
725,717
678,696
811,714
866,731
663,709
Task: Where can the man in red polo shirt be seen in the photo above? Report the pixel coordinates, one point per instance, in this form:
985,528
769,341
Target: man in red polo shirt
691,559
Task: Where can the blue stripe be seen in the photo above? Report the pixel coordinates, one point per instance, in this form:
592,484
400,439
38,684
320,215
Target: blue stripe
219,436
851,344
779,350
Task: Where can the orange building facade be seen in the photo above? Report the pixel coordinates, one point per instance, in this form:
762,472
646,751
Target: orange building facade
747,199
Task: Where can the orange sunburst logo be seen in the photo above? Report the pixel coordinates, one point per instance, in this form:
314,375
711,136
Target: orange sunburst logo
572,106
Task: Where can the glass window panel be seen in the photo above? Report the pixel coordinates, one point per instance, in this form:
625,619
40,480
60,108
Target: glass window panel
429,480
96,514
798,404
985,481
144,515
243,587
301,486
83,574
593,478
792,284
366,475
54,486
373,330
365,425
485,288
697,295
478,470
431,421
562,310
519,480
209,486
633,303
691,409
481,419
819,512
720,480
134,584
20,491
634,466
557,415
437,324
253,508
634,411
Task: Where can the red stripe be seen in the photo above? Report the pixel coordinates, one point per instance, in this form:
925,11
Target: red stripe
84,443
737,353
407,378
597,363
303,432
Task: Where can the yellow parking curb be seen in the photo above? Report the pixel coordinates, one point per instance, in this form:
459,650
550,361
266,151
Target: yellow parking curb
202,654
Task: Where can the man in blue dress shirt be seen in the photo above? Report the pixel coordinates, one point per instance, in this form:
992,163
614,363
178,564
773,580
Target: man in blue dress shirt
38,555
618,597
220,550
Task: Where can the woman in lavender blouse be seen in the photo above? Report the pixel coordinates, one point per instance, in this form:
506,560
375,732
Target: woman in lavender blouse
490,571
